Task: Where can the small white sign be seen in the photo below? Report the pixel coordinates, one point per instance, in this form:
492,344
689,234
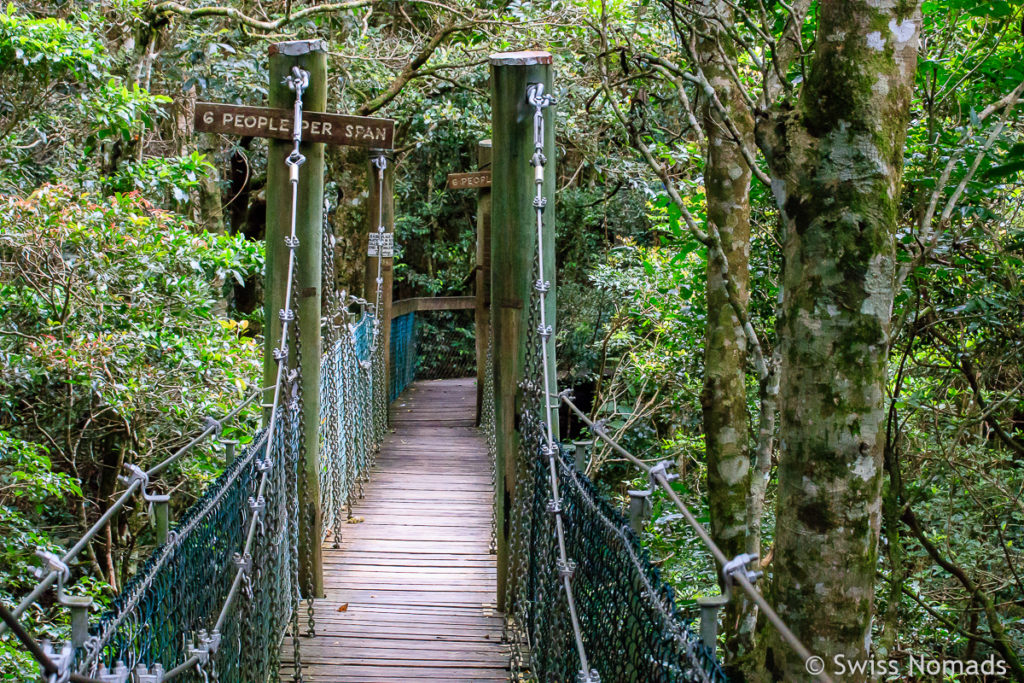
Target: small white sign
383,242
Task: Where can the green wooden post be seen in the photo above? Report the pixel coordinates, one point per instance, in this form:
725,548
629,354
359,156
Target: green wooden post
513,251
482,315
310,55
374,219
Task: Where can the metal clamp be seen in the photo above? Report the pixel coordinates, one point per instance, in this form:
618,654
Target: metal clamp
660,471
545,331
119,674
566,569
281,352
242,562
154,675
135,473
244,565
52,563
286,315
555,506
291,242
205,646
584,677
542,286
737,565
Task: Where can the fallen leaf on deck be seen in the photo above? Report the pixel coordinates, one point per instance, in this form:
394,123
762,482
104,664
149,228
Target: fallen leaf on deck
355,520
343,608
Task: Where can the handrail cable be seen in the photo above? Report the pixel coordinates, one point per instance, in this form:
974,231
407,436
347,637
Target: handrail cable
135,482
733,570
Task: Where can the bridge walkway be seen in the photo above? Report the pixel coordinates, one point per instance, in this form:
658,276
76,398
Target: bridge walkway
410,594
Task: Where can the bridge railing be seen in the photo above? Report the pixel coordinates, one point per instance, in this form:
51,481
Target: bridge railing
431,338
164,613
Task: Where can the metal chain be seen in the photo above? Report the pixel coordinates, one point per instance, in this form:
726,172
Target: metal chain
539,101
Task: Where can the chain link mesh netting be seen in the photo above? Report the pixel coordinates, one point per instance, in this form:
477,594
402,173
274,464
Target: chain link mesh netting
628,616
431,345
181,588
349,407
403,354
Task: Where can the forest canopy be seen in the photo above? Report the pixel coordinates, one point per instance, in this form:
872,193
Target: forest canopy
790,260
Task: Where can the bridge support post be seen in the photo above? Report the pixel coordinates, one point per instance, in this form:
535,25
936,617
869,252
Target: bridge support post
513,249
381,211
310,55
482,316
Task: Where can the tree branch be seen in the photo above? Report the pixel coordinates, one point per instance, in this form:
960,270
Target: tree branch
252,22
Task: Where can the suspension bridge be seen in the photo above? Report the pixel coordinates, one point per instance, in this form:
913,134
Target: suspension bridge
405,513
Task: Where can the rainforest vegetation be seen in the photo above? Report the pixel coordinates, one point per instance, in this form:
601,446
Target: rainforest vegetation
790,244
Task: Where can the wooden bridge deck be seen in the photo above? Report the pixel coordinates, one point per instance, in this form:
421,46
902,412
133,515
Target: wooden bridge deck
411,590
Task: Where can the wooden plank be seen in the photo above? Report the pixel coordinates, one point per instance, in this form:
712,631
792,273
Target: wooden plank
432,303
414,580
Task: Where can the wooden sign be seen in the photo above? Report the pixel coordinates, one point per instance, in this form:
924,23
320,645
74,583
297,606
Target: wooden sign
265,122
469,181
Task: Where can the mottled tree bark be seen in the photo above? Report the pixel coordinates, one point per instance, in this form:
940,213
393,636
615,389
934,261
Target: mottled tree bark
724,397
836,163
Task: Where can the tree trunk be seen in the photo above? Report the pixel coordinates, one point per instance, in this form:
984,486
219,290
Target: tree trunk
724,396
836,162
